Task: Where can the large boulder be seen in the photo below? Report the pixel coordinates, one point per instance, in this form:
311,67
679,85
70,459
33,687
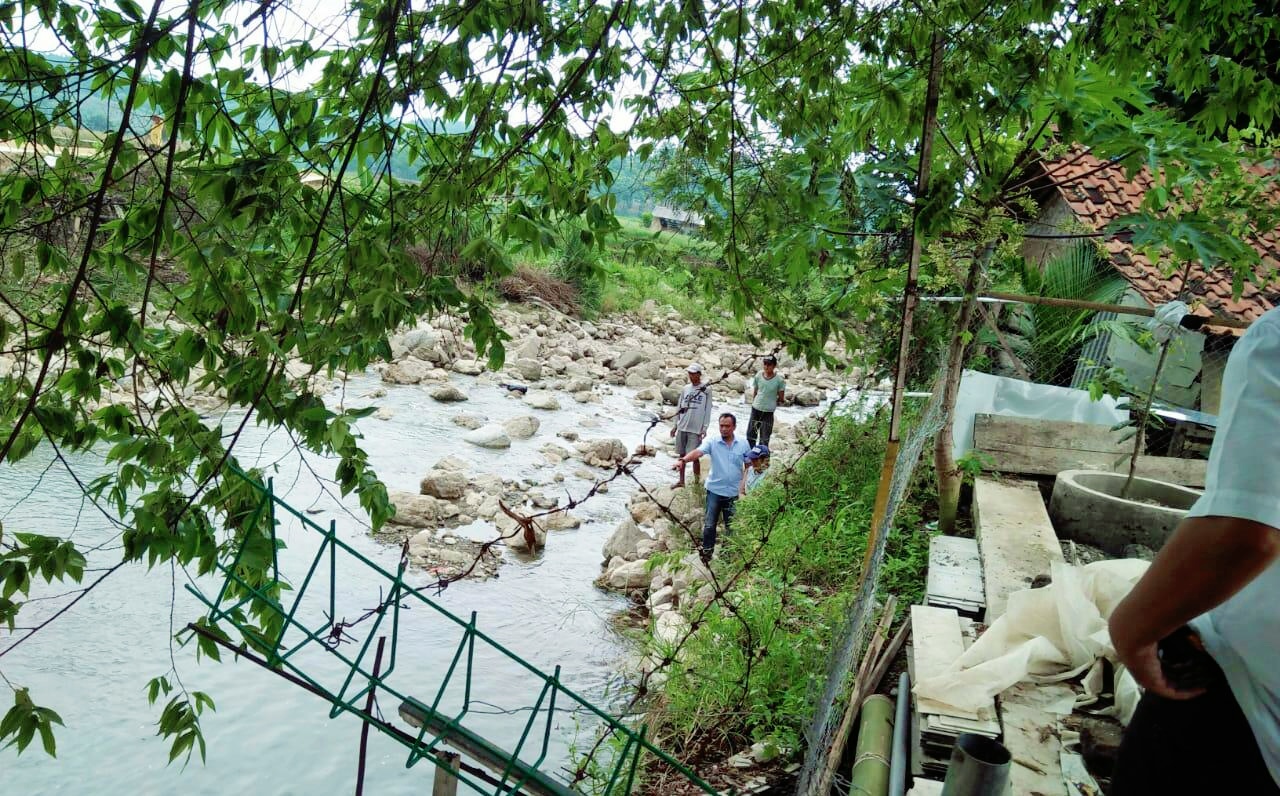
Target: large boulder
467,421
422,344
468,367
529,348
579,384
670,629
541,400
522,426
444,484
670,396
806,396
421,511
554,454
628,575
517,538
409,370
624,540
529,369
602,452
448,393
560,521
628,359
490,436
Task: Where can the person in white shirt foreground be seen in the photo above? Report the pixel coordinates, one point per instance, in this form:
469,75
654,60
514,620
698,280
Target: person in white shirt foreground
1211,599
727,453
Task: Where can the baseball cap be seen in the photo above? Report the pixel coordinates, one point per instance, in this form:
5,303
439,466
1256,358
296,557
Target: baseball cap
694,367
770,360
758,452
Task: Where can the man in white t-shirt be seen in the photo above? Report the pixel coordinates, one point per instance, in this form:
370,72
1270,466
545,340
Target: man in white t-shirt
1215,588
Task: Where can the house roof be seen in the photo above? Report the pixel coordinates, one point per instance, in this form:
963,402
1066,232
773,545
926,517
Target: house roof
677,215
1099,192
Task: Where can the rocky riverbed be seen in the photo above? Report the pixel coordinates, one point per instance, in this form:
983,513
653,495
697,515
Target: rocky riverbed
558,364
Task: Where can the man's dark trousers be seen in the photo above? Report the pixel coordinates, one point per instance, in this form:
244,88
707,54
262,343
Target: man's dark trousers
1194,746
717,506
759,427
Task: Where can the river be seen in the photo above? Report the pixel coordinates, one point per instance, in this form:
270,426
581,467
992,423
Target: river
268,736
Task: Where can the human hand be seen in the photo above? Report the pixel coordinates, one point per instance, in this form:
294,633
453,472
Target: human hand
673,431
1167,322
1143,662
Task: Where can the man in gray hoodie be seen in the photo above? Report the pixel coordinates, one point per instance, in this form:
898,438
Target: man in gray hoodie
693,415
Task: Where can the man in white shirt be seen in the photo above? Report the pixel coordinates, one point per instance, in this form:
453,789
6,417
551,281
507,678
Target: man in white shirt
693,416
1219,574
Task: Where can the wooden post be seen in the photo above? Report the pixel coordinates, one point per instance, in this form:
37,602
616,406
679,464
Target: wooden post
446,781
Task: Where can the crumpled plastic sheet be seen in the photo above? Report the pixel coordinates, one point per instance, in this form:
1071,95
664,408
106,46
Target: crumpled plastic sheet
1047,635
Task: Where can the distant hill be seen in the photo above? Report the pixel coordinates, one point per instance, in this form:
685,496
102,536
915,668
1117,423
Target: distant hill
97,113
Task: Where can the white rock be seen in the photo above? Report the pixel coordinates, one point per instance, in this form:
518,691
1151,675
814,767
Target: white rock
560,521
468,367
406,371
529,369
646,549
444,484
421,511
450,463
490,436
467,420
517,539
384,413
567,433
530,348
670,629
448,393
629,575
624,540
522,426
664,596
539,399
602,452
807,397
628,359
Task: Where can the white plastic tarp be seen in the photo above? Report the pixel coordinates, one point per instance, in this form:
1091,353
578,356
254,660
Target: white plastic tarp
984,394
1051,634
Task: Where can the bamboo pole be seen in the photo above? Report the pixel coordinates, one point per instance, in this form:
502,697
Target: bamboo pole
1097,306
870,774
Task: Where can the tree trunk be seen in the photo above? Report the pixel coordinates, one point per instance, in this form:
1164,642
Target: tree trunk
1140,438
944,461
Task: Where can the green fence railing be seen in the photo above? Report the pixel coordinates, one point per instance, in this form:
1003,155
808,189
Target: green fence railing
282,629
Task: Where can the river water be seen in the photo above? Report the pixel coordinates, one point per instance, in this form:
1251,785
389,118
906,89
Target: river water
268,736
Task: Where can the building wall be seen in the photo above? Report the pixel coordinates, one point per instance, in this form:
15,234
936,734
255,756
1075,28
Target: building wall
1055,218
1180,378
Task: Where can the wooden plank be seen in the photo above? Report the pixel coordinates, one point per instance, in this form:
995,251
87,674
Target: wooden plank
937,643
955,574
1014,431
1015,538
1047,447
1032,736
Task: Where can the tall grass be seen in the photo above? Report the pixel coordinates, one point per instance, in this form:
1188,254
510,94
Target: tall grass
751,673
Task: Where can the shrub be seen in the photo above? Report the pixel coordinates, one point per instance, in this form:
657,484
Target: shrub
579,265
752,670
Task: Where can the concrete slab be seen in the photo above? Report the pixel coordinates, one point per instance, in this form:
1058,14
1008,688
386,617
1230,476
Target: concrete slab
1015,538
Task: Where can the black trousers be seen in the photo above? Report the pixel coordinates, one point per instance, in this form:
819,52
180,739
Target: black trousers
759,427
1195,746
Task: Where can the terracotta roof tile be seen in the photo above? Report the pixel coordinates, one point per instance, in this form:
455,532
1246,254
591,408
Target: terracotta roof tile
1099,192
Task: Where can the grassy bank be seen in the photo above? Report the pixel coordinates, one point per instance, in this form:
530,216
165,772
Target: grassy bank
753,669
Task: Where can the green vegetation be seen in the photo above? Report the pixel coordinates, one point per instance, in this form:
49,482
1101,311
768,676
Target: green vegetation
801,156
751,674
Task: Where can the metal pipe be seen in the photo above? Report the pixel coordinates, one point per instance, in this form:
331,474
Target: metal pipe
900,757
979,767
870,774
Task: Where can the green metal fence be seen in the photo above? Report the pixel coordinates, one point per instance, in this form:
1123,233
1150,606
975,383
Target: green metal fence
281,630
